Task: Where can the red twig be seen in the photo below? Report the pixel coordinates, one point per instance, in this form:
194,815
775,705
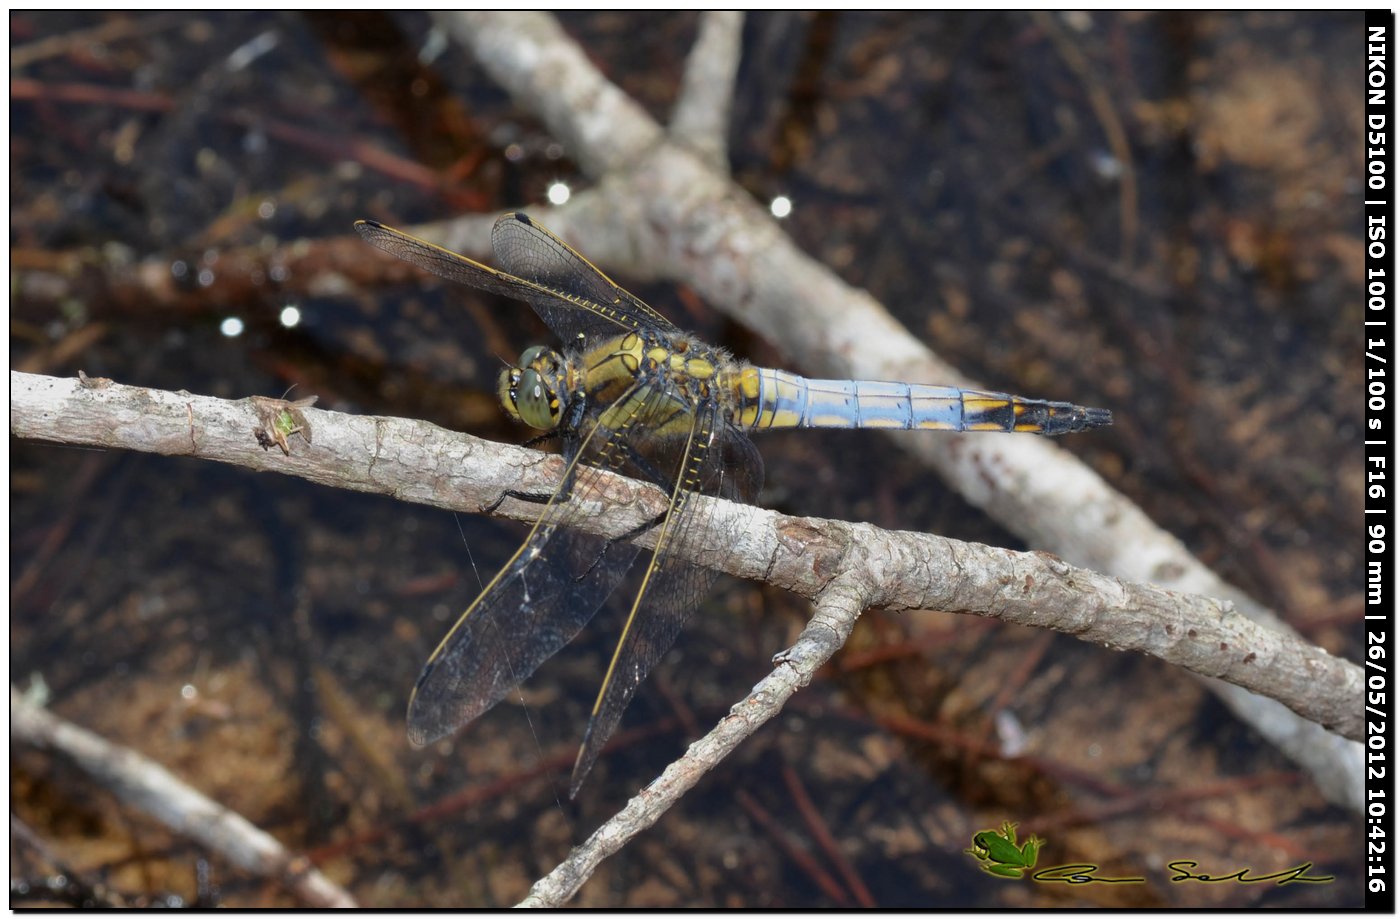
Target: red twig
816,825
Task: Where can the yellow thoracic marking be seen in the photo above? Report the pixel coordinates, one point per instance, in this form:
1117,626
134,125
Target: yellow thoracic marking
697,368
613,363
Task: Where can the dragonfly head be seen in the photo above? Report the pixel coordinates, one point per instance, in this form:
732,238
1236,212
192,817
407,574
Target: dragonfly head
530,391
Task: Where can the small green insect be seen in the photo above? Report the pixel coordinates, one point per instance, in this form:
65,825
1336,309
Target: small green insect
1000,855
279,420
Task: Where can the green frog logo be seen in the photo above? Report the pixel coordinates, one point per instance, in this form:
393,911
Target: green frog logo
1001,856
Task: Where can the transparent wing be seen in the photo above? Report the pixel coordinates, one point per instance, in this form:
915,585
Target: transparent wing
715,459
535,604
528,250
572,296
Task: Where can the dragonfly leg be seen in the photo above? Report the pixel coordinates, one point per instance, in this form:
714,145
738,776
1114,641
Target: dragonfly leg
565,492
546,437
630,535
527,497
640,528
569,441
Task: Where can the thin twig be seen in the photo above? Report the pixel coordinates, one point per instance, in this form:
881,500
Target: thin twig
79,40
799,856
824,635
1112,126
821,833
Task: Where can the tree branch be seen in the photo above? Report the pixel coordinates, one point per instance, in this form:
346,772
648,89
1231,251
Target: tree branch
700,119
420,462
152,789
583,110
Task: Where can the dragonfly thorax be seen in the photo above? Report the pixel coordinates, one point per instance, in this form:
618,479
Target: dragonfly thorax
530,391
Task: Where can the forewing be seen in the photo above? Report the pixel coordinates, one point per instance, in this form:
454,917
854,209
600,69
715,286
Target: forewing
528,250
568,308
442,262
717,460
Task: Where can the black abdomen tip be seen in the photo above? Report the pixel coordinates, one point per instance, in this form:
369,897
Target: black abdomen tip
1097,418
1065,418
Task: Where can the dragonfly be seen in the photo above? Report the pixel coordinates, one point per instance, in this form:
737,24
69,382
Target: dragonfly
630,393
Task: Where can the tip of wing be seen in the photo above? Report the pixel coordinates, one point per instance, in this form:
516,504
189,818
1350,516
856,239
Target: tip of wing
427,728
426,721
421,730
587,755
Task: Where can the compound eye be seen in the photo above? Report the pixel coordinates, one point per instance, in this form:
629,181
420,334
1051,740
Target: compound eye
535,402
